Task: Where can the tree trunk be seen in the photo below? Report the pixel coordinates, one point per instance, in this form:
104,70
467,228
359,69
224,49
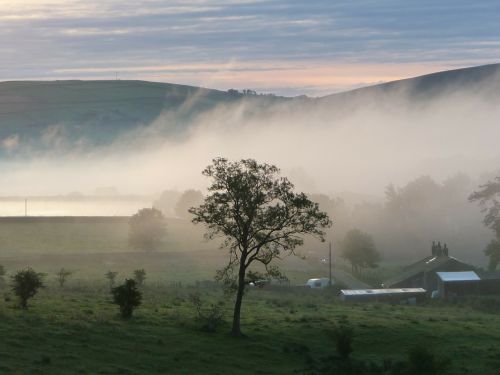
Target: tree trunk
236,330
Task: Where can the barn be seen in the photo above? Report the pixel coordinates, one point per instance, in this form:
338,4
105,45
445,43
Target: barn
458,284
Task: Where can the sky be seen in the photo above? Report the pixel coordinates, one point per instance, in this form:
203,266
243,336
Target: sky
288,47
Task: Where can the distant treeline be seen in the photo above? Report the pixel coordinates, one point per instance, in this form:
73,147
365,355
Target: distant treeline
414,215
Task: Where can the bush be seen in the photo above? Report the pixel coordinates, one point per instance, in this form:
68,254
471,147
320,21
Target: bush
211,317
128,297
25,285
422,361
343,336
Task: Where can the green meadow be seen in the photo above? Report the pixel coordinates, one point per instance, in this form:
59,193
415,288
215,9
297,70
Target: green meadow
77,330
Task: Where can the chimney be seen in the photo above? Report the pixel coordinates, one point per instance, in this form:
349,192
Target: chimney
445,250
439,250
433,249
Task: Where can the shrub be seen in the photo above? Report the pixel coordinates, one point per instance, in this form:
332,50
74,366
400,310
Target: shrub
140,276
128,297
422,361
211,317
25,285
343,336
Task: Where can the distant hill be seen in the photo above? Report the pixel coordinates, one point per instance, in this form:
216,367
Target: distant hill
98,111
485,78
93,113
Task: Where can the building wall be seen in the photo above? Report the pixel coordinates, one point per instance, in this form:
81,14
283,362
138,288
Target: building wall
455,289
489,286
429,280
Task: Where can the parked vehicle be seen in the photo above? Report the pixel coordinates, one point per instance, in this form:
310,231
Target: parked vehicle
318,283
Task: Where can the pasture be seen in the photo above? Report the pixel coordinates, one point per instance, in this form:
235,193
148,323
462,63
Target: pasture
76,328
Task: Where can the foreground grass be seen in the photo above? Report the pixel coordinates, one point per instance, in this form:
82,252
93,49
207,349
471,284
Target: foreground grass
77,330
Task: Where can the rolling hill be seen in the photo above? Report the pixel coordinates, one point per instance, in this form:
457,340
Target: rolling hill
97,112
48,115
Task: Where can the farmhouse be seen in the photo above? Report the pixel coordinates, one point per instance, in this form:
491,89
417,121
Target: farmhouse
422,274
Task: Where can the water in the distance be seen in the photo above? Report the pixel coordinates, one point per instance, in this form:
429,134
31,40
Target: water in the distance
68,207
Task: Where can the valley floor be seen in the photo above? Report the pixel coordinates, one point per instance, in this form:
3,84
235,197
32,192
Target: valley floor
76,330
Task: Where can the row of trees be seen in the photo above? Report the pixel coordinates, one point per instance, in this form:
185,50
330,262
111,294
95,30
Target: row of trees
404,224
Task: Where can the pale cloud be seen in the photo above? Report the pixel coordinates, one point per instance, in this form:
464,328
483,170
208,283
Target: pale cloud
314,45
10,143
268,76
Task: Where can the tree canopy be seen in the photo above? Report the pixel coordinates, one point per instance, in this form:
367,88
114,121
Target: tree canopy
489,199
493,252
187,200
258,215
359,249
147,229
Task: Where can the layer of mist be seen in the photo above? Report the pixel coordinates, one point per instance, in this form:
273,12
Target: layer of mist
358,143
351,146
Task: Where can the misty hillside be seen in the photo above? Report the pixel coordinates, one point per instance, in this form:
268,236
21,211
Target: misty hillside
485,77
48,115
96,112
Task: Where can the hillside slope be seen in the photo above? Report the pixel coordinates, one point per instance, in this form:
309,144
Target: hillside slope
483,79
96,112
68,114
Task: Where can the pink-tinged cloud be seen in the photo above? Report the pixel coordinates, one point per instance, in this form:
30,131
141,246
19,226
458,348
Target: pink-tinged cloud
315,78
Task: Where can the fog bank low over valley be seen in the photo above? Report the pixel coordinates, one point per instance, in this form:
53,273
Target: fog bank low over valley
359,142
435,138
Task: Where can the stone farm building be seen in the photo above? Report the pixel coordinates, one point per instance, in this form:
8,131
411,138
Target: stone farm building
422,274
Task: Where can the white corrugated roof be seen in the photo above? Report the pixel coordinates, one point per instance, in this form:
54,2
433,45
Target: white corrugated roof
357,292
458,276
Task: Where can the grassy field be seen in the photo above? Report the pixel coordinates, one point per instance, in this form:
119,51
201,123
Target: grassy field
77,330
56,235
91,246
